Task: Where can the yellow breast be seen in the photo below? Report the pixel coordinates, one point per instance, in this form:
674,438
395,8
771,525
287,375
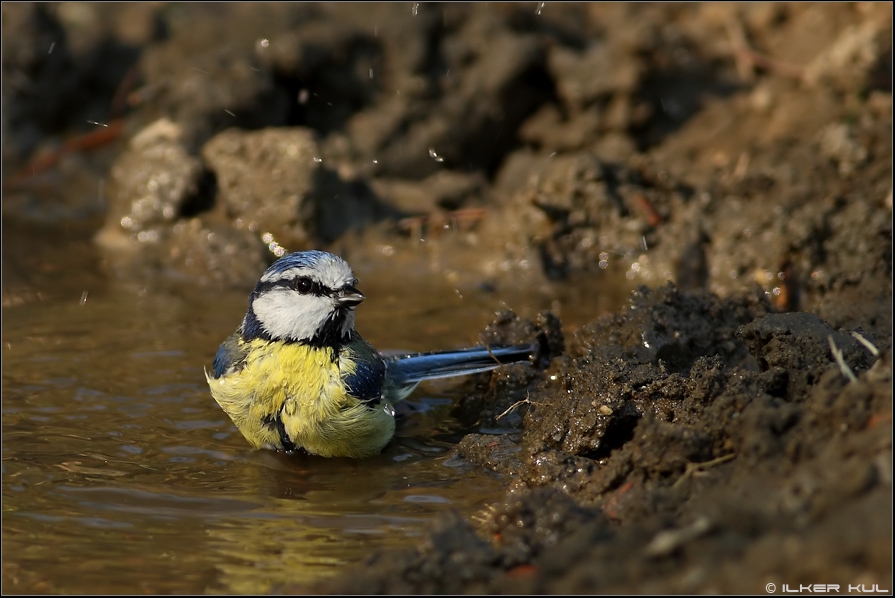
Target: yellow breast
303,387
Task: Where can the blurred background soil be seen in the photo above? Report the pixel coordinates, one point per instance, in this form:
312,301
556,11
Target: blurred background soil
729,427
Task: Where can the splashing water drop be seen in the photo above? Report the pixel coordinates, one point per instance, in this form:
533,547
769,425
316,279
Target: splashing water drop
318,159
540,7
415,8
434,155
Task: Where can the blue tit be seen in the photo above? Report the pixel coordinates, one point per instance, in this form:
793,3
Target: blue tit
296,375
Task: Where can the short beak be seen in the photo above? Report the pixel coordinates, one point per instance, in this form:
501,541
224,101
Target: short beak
349,297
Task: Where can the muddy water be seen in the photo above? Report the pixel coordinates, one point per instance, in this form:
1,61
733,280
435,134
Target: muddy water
121,474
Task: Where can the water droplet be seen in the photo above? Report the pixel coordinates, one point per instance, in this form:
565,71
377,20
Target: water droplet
540,7
230,113
434,155
318,159
303,96
415,8
264,43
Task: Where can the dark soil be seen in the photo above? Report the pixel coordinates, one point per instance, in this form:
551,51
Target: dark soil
733,161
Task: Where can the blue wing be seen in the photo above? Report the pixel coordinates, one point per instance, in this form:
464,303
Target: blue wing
231,355
367,380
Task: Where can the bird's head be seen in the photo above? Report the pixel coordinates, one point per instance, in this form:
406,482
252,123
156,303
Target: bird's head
306,296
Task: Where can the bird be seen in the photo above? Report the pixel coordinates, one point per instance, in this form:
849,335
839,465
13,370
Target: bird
296,376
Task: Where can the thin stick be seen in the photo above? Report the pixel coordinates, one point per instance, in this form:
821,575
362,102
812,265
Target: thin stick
837,353
695,468
870,346
514,405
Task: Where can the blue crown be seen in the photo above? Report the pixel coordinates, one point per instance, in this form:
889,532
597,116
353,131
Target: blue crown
298,259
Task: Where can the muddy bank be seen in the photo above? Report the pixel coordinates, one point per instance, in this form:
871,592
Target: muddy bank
686,444
703,437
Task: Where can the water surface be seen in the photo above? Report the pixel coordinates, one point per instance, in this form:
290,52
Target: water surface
122,475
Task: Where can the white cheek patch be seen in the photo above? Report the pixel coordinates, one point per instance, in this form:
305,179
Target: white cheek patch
286,314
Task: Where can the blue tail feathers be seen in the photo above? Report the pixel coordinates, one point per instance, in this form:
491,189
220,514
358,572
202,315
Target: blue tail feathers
405,371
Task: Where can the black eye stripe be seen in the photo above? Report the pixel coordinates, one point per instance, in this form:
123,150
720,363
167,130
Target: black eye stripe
303,284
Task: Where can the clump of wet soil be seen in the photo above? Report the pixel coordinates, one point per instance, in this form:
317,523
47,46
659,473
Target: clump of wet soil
725,430
685,444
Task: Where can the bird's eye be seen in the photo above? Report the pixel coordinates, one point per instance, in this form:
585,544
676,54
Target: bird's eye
303,285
